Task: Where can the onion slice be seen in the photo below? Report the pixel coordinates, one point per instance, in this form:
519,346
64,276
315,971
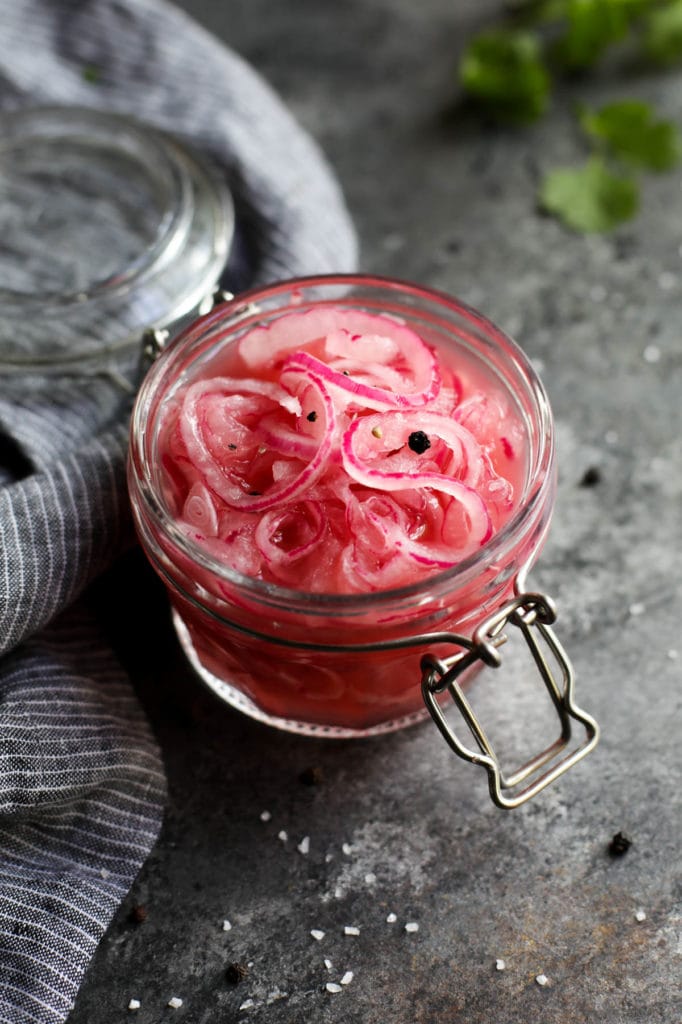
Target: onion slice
348,389
307,522
355,445
346,334
386,438
223,477
199,510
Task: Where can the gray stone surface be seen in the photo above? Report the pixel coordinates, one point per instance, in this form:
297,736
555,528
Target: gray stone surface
450,204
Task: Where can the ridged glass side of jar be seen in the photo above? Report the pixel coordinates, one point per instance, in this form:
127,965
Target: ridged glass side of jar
294,658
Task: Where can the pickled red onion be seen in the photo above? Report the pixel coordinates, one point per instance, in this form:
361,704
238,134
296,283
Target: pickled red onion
347,339
217,473
387,435
364,473
349,389
281,438
264,347
199,510
305,517
360,460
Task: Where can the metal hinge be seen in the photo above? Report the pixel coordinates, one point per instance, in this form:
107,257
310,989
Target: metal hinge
533,614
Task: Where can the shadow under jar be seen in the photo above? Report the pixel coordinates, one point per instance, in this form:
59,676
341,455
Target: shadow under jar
309,658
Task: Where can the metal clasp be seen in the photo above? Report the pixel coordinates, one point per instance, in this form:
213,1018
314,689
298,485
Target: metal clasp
532,614
153,343
154,339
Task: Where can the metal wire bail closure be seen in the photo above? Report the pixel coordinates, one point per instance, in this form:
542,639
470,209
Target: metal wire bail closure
533,614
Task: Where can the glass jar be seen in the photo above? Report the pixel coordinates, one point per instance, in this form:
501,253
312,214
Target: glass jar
109,228
348,665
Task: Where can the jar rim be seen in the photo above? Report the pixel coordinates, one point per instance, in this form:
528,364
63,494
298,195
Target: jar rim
536,489
193,202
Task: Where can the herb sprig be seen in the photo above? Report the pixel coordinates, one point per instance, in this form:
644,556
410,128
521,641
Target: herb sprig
508,73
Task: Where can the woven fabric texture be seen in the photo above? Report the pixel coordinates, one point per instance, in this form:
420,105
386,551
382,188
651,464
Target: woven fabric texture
82,786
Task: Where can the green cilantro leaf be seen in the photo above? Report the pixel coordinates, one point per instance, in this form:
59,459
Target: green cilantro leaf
630,132
592,27
504,72
590,198
662,34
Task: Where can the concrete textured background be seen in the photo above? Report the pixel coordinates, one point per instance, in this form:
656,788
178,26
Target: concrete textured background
396,824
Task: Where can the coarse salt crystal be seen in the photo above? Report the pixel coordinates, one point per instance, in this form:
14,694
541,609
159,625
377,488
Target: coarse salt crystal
637,608
651,354
347,849
283,836
134,1004
411,926
370,878
393,241
640,916
667,281
347,978
611,437
338,893
304,845
329,857
392,918
351,929
104,873
327,964
265,815
541,979
175,1003
247,1004
673,654
227,927
500,964
317,934
331,986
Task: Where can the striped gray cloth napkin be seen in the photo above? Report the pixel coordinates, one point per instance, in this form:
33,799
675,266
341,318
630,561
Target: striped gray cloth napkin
81,779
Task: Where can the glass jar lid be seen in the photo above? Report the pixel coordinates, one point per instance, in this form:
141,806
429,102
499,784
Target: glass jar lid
107,227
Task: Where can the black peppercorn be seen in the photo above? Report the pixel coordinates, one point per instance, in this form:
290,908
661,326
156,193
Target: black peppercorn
236,972
620,844
418,441
591,477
